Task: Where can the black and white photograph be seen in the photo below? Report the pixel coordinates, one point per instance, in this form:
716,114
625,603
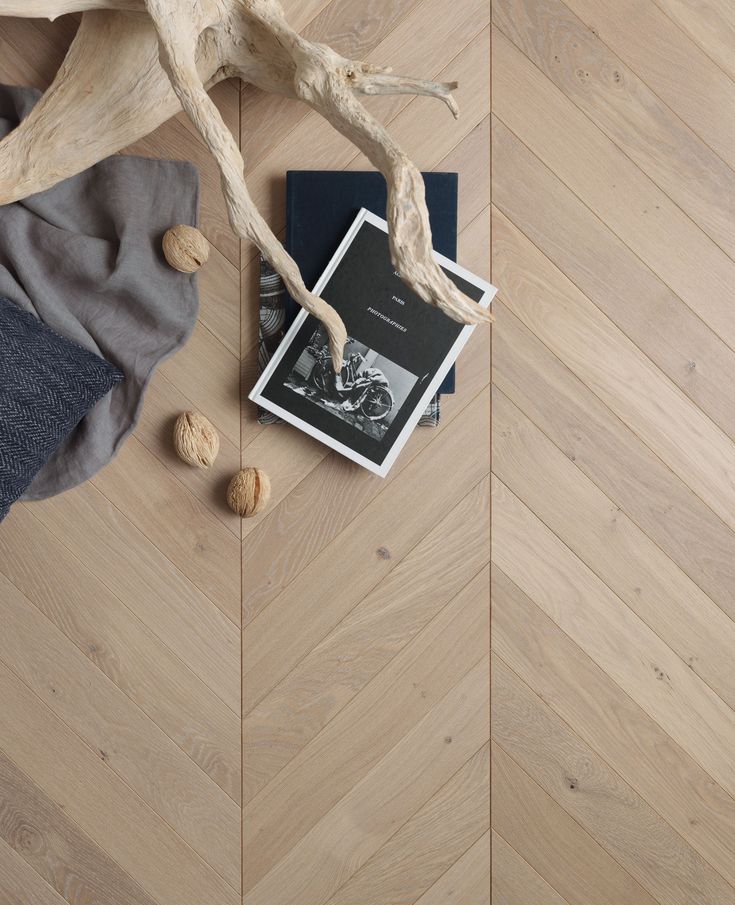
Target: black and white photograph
397,354
368,392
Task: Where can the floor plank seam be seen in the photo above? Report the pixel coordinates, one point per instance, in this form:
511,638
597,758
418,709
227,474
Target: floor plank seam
685,843
622,150
628,428
642,81
628,514
363,688
370,590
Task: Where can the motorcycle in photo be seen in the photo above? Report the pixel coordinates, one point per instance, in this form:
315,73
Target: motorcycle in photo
368,392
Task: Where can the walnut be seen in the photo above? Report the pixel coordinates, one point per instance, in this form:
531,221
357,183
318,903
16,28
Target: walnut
196,440
185,248
249,492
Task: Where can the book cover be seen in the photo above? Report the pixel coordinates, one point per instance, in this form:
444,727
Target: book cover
321,205
398,353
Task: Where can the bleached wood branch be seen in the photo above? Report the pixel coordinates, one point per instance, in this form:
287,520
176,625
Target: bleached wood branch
367,82
135,63
178,57
51,9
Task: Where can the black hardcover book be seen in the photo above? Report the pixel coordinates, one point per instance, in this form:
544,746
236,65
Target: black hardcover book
322,204
398,352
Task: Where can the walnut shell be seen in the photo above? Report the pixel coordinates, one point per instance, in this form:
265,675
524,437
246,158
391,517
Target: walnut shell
195,439
249,492
185,248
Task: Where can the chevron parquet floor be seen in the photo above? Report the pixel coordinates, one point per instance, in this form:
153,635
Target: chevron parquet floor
291,710
614,420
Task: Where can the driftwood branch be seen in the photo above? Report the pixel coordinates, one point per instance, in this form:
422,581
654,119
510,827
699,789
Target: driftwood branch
371,82
109,92
178,58
135,63
51,9
321,84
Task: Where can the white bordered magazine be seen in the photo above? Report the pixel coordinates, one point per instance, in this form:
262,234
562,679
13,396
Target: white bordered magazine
398,353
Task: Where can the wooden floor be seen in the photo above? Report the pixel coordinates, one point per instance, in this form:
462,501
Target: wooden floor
614,463
295,709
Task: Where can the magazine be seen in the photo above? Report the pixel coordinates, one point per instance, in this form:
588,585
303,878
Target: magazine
398,351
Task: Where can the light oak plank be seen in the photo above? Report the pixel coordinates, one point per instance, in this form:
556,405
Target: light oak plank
553,843
330,676
117,732
158,593
515,882
354,741
176,522
122,648
431,843
250,370
34,62
53,848
614,458
469,158
302,456
711,23
270,562
635,209
356,827
288,455
657,50
278,638
89,792
598,798
19,881
626,380
468,880
15,69
610,275
209,375
418,133
609,721
612,635
301,12
625,109
219,300
613,546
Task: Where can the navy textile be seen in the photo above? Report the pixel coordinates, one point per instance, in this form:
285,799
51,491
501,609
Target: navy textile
47,385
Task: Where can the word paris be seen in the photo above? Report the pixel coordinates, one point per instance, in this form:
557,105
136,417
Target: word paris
135,63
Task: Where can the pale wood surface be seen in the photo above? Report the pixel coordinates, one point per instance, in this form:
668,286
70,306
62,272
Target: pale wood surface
196,710
614,483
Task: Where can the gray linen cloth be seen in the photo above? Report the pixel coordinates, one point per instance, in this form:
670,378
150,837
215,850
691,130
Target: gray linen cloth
85,257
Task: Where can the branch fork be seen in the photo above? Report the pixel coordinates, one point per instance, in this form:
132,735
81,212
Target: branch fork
135,63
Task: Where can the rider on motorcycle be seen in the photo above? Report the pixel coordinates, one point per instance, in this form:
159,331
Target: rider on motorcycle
361,383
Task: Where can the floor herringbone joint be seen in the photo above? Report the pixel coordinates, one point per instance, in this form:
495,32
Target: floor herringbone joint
195,709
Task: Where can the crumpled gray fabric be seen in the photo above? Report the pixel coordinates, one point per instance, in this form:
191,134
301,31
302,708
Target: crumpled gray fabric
85,257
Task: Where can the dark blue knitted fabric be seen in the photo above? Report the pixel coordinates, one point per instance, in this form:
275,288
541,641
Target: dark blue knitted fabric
47,385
